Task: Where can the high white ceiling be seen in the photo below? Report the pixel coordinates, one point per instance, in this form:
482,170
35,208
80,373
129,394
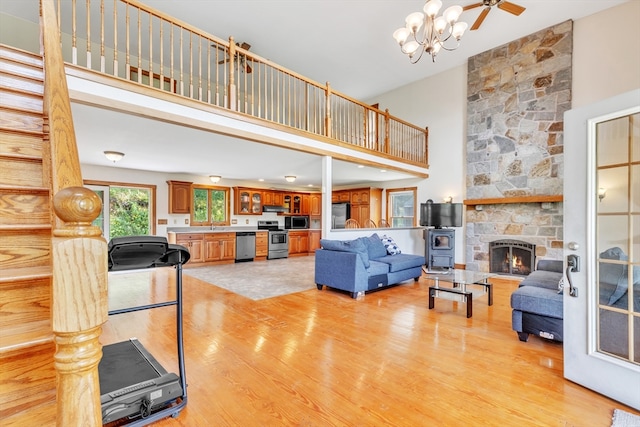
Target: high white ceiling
345,42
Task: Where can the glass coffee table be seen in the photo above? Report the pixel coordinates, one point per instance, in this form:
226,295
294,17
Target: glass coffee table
460,285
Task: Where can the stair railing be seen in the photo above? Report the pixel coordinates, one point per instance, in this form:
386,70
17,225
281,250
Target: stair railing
79,252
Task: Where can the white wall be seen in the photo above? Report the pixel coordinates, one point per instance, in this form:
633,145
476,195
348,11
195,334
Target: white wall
440,104
606,54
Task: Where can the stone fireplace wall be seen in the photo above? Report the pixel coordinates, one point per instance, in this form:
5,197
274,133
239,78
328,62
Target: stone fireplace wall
516,98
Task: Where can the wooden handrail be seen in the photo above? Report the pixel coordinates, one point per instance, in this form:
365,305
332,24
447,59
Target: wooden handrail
268,91
79,252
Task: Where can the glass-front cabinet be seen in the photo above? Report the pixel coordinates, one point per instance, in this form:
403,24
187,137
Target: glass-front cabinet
248,201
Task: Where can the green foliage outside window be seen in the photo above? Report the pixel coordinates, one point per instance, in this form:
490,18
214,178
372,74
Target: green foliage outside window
210,206
128,211
200,205
402,208
218,206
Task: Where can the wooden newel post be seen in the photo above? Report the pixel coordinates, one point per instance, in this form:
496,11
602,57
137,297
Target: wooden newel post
232,71
327,113
79,306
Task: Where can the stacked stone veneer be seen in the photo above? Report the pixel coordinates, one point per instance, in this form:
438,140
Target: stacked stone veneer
516,98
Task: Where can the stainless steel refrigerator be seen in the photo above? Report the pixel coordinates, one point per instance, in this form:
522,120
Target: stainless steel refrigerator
340,213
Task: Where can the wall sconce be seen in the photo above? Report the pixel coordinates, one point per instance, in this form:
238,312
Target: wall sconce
114,156
215,178
290,178
602,192
448,199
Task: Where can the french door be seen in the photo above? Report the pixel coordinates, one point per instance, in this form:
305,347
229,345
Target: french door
602,247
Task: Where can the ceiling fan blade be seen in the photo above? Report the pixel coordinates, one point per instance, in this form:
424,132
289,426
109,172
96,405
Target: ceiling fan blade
511,7
245,45
249,69
478,22
472,6
224,61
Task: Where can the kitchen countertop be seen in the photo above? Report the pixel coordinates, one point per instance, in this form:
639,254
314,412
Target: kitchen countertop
222,229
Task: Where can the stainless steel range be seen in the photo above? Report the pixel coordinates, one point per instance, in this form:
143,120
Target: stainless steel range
278,239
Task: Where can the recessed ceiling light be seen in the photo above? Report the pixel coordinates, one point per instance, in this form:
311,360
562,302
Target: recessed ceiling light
383,170
261,179
309,185
360,166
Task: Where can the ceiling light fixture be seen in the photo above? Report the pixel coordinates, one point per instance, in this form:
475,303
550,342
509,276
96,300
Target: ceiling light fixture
215,178
428,33
114,156
290,178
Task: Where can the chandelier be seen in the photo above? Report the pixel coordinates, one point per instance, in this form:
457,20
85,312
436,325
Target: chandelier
426,33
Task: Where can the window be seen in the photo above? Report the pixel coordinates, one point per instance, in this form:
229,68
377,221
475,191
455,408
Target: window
210,205
127,209
401,207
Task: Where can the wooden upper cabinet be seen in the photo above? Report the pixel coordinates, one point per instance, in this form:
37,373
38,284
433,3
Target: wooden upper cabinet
179,197
341,196
306,204
248,201
315,202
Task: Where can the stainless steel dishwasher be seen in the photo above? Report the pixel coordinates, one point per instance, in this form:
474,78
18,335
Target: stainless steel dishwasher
245,246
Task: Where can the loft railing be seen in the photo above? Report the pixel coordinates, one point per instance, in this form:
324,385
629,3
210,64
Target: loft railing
126,39
79,252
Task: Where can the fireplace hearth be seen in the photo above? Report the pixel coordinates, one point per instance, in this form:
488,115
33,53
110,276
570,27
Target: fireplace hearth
512,257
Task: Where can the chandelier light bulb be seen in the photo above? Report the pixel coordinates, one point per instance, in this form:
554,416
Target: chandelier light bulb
432,7
452,13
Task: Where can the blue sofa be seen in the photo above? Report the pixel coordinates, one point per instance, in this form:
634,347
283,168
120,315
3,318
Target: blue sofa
363,264
537,303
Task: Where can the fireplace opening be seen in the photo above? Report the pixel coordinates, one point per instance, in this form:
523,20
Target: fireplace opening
512,257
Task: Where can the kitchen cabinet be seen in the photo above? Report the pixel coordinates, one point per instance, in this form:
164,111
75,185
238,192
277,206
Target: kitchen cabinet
306,205
341,196
194,244
315,204
298,243
272,198
219,247
247,201
296,207
179,197
366,203
314,240
262,244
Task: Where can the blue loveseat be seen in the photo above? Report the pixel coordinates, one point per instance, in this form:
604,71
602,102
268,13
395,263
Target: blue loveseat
364,264
537,303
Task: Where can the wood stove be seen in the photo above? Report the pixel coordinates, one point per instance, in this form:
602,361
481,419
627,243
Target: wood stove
512,257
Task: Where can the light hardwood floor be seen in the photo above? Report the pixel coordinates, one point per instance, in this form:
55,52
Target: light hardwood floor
320,358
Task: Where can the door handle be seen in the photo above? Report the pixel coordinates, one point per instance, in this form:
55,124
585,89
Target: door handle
573,265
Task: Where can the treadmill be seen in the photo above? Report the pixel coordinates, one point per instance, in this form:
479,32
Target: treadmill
133,385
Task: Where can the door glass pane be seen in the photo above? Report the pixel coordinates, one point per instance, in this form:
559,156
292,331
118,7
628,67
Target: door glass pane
618,245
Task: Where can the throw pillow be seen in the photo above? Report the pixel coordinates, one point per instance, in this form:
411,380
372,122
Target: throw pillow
375,247
355,246
561,285
390,245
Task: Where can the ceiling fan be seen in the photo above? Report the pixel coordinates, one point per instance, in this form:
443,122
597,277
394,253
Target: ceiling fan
502,4
243,59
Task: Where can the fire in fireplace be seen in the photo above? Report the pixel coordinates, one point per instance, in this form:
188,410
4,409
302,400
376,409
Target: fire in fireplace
511,257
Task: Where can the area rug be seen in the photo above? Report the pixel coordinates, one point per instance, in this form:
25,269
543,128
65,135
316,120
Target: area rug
260,279
624,419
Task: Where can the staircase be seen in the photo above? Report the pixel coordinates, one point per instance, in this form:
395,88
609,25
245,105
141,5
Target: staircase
27,376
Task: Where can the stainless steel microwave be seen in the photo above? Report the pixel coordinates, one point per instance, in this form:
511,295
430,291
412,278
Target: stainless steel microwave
295,222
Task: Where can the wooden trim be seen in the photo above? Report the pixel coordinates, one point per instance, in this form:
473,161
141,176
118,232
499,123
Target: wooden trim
521,199
114,105
151,187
